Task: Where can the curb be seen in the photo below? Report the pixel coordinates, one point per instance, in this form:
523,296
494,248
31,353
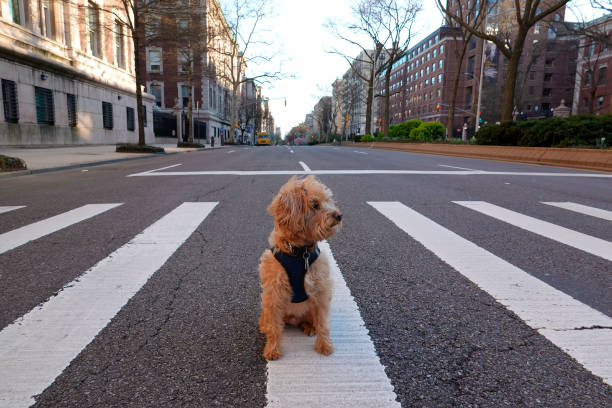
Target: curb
76,166
586,159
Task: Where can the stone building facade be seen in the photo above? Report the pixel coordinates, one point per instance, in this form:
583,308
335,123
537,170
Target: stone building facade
67,74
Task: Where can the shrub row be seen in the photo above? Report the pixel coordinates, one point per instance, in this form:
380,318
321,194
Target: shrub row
136,148
412,130
579,130
8,163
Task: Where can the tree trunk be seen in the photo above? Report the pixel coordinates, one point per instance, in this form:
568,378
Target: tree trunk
387,100
369,101
138,75
450,128
233,112
190,108
510,84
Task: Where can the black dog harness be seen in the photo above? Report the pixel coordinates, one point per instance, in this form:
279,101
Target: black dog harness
297,266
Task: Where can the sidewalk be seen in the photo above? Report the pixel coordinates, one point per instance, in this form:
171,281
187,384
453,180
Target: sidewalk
42,159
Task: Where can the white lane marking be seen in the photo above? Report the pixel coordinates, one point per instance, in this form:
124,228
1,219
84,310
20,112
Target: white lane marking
144,173
583,209
13,239
584,242
363,172
231,151
10,208
304,166
455,167
291,151
352,376
557,316
36,348
357,151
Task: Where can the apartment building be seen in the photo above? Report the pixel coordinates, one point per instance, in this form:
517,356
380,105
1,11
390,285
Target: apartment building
67,74
593,85
190,44
354,95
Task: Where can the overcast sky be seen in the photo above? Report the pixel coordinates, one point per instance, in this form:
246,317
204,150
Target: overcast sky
302,41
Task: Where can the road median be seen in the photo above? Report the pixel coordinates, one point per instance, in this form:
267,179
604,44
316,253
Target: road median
589,159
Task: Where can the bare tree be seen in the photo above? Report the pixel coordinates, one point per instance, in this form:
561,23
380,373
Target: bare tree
508,30
397,18
364,26
243,45
462,38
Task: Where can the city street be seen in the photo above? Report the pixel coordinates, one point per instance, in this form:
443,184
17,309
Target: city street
459,282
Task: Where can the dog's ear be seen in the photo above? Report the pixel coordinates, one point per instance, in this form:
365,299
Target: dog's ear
288,206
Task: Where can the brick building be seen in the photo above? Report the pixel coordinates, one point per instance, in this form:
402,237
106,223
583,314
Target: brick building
593,86
172,62
67,74
422,80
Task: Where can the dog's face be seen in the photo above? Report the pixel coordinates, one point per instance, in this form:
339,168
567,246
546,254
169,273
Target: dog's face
305,210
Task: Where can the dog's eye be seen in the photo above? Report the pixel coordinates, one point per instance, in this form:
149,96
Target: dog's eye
315,206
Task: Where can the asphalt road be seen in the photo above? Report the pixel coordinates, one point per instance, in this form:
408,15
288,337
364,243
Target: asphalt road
189,336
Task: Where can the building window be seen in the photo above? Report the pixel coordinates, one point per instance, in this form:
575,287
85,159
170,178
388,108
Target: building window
185,60
547,77
14,10
45,112
470,67
532,75
531,90
600,102
439,78
119,60
47,25
154,60
184,96
588,77
130,118
94,30
468,97
440,64
72,110
603,73
155,90
549,62
442,49
472,43
144,115
9,98
107,115
546,91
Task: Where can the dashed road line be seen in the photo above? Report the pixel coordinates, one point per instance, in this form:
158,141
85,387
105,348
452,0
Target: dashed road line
154,170
231,151
583,209
357,151
581,331
15,238
304,166
584,242
455,167
352,376
10,208
36,348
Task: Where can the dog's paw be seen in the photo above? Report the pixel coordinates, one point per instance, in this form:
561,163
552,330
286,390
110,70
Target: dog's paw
308,329
271,353
324,347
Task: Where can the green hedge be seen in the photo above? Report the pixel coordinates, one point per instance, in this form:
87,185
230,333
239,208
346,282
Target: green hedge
427,132
8,163
579,130
402,130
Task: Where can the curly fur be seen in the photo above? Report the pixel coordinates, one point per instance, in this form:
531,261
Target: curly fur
304,213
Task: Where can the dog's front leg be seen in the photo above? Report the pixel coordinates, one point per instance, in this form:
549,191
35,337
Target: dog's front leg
323,344
271,324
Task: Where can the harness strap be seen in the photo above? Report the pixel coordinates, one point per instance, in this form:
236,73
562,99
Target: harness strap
296,267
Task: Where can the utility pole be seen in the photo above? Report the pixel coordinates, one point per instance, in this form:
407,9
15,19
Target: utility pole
482,63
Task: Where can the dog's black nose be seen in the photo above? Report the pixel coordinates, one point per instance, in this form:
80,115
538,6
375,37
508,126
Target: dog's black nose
338,216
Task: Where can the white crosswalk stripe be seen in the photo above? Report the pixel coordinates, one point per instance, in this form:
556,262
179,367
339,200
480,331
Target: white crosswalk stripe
13,239
583,209
36,348
10,208
584,242
579,330
351,376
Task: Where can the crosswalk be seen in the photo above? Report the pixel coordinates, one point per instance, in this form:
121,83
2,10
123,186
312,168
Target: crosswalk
36,348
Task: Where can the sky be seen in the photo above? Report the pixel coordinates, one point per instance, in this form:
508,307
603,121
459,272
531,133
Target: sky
301,43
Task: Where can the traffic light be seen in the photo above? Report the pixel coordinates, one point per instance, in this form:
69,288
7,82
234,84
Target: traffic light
438,108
